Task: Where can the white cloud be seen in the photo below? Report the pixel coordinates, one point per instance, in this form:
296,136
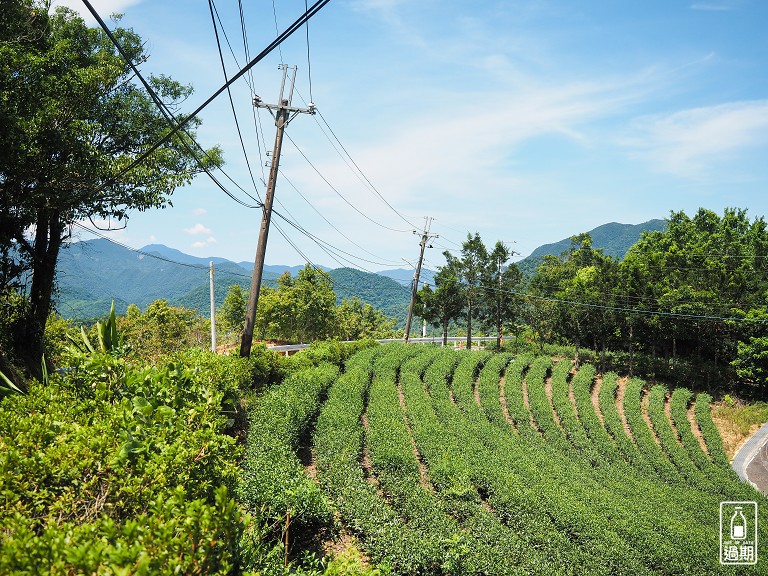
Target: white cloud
689,142
105,8
199,211
204,243
197,229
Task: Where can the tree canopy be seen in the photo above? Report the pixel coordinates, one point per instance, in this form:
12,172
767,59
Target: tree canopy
73,117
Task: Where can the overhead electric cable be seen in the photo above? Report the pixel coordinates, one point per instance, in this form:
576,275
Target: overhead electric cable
339,194
326,243
212,8
328,221
167,114
277,31
152,255
274,44
347,158
309,60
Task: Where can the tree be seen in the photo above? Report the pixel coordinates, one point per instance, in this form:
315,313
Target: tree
301,309
468,269
73,117
500,280
444,304
356,320
231,315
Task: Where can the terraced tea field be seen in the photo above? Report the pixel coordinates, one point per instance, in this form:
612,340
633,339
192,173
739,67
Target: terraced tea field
445,462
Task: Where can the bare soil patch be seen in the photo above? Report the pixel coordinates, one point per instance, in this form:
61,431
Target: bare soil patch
621,391
691,414
595,397
503,401
644,412
423,474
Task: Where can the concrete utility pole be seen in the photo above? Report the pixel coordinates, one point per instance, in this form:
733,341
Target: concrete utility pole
283,114
213,315
425,237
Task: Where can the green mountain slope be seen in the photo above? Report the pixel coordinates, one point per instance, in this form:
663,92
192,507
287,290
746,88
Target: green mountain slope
380,292
614,239
91,274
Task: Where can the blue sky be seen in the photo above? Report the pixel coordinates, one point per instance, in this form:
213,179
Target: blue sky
526,121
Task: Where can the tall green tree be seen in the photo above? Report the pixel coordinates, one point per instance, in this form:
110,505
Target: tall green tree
72,118
469,270
231,315
501,280
301,309
444,304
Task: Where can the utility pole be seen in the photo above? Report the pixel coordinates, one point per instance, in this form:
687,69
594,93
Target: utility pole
425,237
283,113
213,315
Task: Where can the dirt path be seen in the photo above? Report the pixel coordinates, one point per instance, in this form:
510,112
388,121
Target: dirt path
365,459
548,394
423,473
572,395
691,414
644,413
476,392
527,404
621,391
595,397
503,401
668,414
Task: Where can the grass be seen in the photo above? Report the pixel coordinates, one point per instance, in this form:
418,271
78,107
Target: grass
737,421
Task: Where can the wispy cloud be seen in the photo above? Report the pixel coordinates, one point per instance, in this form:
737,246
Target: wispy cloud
200,211
689,142
204,243
105,8
198,229
710,7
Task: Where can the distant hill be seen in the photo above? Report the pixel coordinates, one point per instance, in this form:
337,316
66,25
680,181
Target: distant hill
93,273
404,276
381,292
613,238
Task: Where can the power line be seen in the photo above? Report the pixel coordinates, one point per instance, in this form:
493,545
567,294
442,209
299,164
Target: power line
317,6
357,171
309,60
150,254
328,221
339,194
213,9
167,114
319,240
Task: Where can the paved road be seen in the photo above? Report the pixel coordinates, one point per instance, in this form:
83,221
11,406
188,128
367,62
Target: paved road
751,461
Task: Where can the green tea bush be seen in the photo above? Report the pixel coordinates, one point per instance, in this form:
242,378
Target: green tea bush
110,469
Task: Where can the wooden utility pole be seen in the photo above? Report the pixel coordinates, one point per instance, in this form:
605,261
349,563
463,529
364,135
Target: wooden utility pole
425,237
283,114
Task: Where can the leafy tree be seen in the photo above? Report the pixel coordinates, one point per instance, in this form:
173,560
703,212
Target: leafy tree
231,316
162,329
444,304
469,269
356,320
301,309
73,117
501,280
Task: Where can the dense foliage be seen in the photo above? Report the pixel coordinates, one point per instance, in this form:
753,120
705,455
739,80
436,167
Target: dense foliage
113,469
693,292
73,117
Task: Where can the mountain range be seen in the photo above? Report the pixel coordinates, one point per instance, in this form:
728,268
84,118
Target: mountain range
91,274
